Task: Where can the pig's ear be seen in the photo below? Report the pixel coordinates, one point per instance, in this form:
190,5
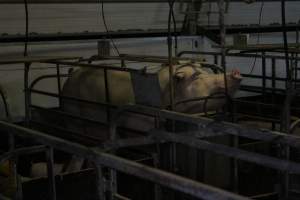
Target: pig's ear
179,76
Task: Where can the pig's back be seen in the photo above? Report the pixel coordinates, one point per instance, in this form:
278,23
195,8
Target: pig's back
89,84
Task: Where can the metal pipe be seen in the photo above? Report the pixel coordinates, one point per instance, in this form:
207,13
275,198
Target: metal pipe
22,151
243,55
263,63
222,128
51,175
27,93
100,183
71,98
58,84
263,160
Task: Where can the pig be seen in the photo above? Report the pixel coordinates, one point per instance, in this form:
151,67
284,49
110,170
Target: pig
191,81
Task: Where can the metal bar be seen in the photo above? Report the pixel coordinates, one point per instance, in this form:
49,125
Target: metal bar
71,98
206,124
22,151
273,63
35,81
100,183
243,55
216,59
156,164
121,143
263,64
163,178
51,175
87,36
27,93
58,84
263,160
107,96
120,197
13,160
69,115
267,77
70,135
97,66
33,59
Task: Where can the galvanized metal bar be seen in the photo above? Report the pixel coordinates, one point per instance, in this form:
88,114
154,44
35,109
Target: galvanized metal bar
243,55
90,65
163,178
68,134
100,183
121,143
67,114
259,159
263,65
58,83
107,96
70,98
33,59
27,93
51,175
22,151
35,81
156,164
13,160
222,128
216,59
120,197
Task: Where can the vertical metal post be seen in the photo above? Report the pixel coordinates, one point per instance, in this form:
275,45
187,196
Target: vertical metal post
263,65
113,183
156,162
26,94
100,183
221,5
58,83
107,95
273,63
104,50
216,59
123,63
51,175
13,168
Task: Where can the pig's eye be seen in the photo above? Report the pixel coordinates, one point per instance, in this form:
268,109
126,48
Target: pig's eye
179,76
195,75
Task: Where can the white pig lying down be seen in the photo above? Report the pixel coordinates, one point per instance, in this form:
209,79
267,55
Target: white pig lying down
192,80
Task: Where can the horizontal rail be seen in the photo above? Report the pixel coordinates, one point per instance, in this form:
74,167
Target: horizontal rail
209,125
71,98
22,151
243,55
267,161
163,178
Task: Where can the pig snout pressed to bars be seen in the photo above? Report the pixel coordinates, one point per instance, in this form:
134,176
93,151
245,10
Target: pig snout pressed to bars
235,73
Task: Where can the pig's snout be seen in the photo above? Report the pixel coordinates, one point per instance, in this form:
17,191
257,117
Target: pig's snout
235,74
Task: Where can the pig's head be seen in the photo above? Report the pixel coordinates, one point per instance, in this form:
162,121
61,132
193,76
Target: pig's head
194,84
